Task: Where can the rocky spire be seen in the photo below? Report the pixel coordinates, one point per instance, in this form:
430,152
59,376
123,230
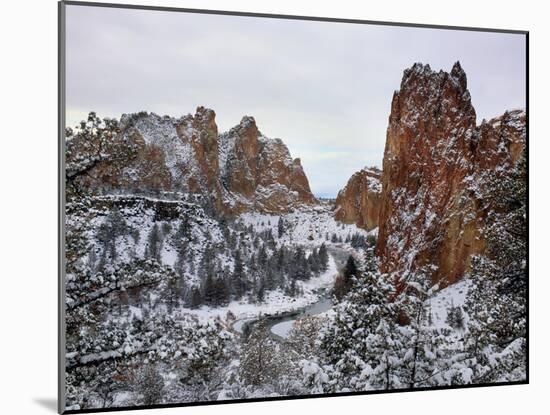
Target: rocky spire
430,216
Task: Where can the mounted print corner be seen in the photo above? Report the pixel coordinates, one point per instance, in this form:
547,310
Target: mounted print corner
271,207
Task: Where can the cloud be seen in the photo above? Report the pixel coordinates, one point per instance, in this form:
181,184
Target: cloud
316,85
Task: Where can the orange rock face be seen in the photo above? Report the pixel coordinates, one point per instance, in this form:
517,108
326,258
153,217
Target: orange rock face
436,160
359,201
259,172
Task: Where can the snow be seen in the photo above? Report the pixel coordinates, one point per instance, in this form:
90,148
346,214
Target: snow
441,302
283,329
239,324
305,226
162,132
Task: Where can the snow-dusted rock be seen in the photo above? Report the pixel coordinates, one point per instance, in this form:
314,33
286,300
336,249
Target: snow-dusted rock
359,201
241,170
260,173
435,163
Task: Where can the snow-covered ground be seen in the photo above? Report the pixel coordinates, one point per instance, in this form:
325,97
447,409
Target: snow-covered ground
441,302
308,226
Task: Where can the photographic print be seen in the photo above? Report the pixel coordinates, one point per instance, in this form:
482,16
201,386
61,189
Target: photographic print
269,207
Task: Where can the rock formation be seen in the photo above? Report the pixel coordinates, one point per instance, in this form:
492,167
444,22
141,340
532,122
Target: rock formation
436,161
240,170
359,201
259,172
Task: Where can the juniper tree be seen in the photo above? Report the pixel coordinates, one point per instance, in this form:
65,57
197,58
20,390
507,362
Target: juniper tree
281,260
262,257
93,143
299,265
313,262
215,290
221,293
497,298
166,228
207,263
303,337
260,292
195,299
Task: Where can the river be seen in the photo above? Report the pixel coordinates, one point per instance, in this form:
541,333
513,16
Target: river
280,324
280,327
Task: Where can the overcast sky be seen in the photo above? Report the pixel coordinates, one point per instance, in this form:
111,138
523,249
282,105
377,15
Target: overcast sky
324,88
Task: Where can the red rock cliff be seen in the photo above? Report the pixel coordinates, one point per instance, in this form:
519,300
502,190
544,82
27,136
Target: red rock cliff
436,158
260,173
359,201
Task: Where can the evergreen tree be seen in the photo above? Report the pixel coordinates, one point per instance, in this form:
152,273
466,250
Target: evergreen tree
259,357
428,359
260,294
455,317
361,342
207,263
113,227
154,243
280,227
238,278
300,266
303,337
221,292
195,298
209,290
344,280
183,233
291,289
323,258
313,262
281,260
496,338
166,228
262,257
150,385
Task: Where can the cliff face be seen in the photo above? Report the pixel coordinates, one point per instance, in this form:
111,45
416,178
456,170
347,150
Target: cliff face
436,161
360,200
259,171
240,170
